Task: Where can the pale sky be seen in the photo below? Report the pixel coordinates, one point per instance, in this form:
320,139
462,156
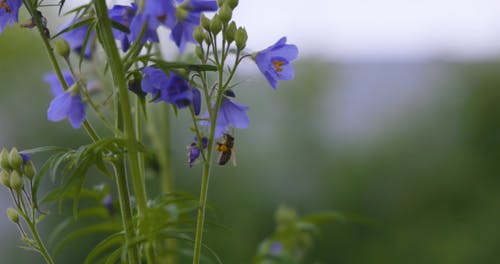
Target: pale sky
359,29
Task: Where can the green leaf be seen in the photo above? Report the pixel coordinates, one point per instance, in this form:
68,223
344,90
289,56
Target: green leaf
93,229
115,239
167,66
118,26
76,25
44,149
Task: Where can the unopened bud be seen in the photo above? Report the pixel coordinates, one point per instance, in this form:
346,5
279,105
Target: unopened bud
232,3
285,216
241,38
13,215
220,2
29,169
225,14
15,160
231,32
215,25
16,181
4,159
5,178
199,52
63,48
198,34
205,22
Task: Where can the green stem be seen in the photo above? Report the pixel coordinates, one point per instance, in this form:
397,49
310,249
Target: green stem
52,58
41,247
118,73
126,211
200,221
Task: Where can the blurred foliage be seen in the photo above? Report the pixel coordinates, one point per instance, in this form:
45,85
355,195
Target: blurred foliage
430,183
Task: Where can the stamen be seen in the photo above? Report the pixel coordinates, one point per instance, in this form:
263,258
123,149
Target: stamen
278,65
4,5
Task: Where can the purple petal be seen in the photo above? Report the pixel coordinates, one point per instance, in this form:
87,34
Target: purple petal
59,107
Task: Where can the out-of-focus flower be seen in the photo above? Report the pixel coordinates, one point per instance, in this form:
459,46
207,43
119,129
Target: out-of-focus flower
153,81
231,114
55,86
172,89
274,62
66,104
9,12
76,38
188,17
123,15
177,91
156,13
194,150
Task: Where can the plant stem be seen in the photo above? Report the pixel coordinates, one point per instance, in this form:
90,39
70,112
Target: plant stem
41,247
118,73
52,58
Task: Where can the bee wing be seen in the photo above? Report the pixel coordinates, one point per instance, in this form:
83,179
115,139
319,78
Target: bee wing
233,158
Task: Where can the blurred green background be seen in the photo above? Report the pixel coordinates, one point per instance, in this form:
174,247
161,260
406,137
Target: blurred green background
412,146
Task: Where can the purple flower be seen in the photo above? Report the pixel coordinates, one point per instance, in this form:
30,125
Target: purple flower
276,248
156,13
202,5
182,31
173,90
177,92
123,15
196,101
194,150
153,81
149,34
25,157
66,104
76,38
56,87
274,62
231,114
108,203
9,11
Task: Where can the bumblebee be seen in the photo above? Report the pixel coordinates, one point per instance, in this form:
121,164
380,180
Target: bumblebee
226,149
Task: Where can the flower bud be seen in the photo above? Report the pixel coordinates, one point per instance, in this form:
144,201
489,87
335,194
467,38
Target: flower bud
205,22
285,216
63,48
16,181
4,159
181,14
15,160
232,3
198,34
215,25
29,170
199,52
5,178
231,32
13,215
241,38
225,14
220,2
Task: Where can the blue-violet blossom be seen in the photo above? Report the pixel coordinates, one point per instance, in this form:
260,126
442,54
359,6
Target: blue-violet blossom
182,31
172,89
66,104
9,12
231,114
76,38
156,13
274,62
194,150
123,15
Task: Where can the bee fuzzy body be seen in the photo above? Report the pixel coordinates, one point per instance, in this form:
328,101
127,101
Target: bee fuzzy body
225,148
